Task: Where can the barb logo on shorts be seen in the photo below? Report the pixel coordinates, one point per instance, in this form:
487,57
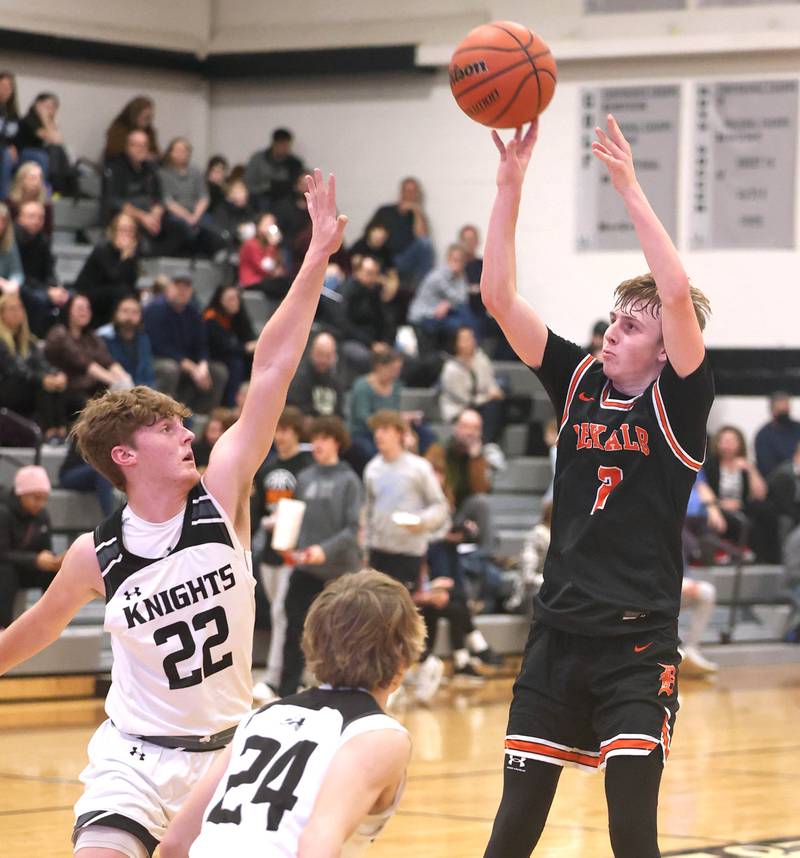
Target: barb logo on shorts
667,679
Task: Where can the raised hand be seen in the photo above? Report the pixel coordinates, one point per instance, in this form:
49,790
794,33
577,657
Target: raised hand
515,155
328,228
615,152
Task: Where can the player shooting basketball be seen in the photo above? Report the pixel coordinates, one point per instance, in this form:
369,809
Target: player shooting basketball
174,567
598,686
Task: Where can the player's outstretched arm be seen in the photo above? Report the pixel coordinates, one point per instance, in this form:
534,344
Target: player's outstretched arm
523,328
77,583
185,827
240,451
363,778
683,339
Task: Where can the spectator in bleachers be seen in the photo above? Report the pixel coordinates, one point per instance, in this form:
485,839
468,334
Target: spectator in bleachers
111,270
180,347
469,239
41,291
29,386
186,195
404,506
11,274
705,527
468,466
127,341
261,263
9,128
277,479
441,304
271,173
409,241
374,243
366,323
468,381
231,339
234,218
595,346
219,421
29,187
784,493
40,139
316,388
776,440
327,546
216,179
75,349
134,188
379,390
79,476
534,551
741,492
137,115
26,548
294,221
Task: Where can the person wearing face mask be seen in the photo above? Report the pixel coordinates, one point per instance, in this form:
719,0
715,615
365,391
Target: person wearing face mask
776,441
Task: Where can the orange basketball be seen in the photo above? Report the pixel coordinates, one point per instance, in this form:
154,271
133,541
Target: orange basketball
502,75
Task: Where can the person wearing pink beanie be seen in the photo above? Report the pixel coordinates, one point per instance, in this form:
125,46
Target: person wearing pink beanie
26,556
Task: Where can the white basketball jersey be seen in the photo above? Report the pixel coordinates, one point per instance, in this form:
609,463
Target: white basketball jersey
181,626
279,758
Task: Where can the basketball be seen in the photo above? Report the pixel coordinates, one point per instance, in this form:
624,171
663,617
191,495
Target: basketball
502,75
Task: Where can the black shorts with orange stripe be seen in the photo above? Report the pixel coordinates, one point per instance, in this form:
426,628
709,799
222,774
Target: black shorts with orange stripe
580,700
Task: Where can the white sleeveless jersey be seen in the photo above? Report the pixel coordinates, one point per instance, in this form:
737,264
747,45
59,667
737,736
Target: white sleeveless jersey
279,758
181,626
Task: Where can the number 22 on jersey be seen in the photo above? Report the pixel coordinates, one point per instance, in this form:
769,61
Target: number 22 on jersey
610,478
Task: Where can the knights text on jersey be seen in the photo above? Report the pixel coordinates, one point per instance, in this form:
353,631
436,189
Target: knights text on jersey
279,758
181,626
624,471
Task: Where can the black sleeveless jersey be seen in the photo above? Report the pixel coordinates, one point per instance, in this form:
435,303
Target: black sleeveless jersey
624,471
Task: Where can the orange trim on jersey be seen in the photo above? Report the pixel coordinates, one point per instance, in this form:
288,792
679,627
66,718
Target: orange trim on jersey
581,758
618,404
666,429
577,375
665,736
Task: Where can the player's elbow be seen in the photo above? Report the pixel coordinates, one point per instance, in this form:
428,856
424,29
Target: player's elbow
171,847
318,843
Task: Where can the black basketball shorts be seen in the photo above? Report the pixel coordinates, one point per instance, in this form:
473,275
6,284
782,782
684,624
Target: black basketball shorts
580,700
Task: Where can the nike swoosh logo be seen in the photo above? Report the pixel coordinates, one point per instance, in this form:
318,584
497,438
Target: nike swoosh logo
643,648
584,398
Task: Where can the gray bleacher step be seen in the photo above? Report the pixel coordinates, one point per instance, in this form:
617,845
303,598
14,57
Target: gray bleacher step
758,582
259,307
741,654
74,511
524,474
77,650
520,378
206,275
421,399
505,633
52,459
70,214
515,440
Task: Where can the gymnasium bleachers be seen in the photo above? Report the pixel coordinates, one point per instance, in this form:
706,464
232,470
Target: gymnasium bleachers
515,499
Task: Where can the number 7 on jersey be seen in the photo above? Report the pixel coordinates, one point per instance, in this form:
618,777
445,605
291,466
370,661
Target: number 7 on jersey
609,478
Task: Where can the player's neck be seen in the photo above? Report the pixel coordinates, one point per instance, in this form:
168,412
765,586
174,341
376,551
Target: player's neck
381,696
157,505
633,384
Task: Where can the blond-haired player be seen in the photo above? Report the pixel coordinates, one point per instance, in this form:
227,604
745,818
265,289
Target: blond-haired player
174,567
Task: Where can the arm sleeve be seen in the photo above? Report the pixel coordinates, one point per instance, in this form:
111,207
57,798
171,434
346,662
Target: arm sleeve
560,359
686,405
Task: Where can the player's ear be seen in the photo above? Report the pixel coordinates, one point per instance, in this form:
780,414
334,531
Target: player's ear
123,456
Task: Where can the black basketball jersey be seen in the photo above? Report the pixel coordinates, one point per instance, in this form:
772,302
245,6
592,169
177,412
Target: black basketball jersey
624,471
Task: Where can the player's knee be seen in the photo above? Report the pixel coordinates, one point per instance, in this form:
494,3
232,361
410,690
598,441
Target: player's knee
633,835
706,592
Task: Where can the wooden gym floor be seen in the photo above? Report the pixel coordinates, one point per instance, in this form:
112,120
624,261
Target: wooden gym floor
732,776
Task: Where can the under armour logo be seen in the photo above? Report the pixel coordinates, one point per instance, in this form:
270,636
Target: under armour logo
135,750
136,592
516,762
291,722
